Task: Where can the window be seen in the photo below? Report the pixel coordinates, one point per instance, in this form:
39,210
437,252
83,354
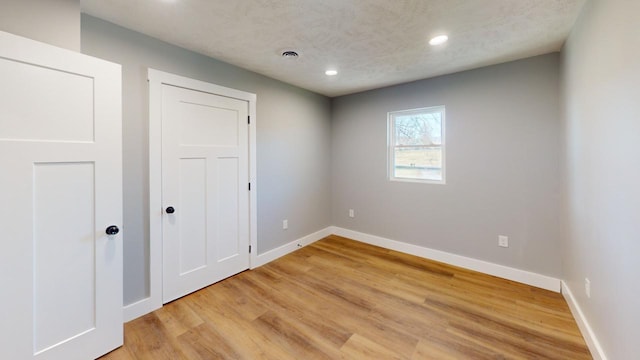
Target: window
416,145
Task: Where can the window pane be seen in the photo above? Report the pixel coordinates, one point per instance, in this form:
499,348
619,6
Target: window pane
418,129
422,163
416,144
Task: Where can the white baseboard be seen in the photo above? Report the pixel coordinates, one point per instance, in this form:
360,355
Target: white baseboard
285,249
583,324
505,272
148,305
139,308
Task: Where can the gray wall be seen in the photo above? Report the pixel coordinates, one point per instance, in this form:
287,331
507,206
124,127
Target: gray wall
601,91
502,163
293,140
503,144
56,22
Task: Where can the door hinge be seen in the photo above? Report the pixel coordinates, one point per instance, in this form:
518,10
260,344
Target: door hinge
249,249
249,119
249,186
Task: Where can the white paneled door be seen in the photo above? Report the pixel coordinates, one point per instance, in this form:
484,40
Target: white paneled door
60,194
205,195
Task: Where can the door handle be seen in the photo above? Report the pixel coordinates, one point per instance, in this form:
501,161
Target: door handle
170,210
112,230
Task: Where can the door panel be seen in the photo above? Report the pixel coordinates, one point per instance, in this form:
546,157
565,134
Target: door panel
208,126
60,187
58,316
204,176
227,209
193,215
69,112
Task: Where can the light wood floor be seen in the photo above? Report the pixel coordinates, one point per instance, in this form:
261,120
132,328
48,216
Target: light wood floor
341,299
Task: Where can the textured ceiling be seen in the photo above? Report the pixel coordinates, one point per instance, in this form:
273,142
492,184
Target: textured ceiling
372,43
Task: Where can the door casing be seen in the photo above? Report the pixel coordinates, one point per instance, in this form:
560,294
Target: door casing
156,80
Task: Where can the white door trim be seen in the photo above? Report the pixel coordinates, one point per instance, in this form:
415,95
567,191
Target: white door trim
156,80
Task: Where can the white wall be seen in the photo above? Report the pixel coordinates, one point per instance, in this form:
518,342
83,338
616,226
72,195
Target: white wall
293,140
601,91
502,162
56,22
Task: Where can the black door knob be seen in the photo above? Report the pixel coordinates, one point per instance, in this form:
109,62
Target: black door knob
112,230
170,210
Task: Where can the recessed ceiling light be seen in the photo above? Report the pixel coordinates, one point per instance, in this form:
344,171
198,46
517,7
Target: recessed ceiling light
438,40
331,72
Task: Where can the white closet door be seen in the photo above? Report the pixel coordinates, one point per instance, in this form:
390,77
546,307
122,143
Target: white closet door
205,174
60,189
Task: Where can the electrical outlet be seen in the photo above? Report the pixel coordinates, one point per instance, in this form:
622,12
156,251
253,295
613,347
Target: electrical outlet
352,213
503,241
587,287
285,224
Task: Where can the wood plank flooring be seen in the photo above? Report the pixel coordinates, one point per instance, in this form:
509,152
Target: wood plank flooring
341,299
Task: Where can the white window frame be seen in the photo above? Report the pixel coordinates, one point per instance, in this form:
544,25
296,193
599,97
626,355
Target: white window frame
391,143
